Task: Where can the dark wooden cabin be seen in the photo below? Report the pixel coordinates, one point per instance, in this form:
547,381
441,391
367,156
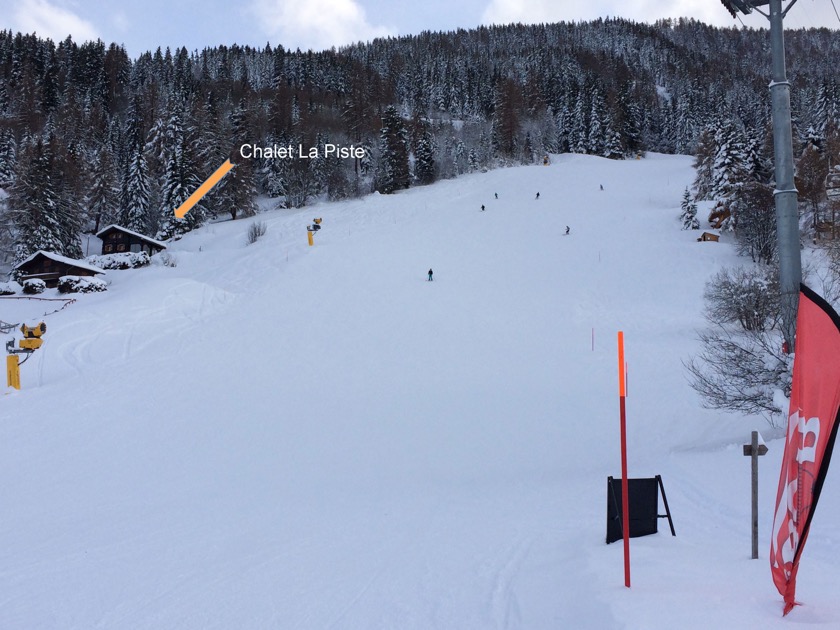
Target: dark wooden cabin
50,267
708,236
117,239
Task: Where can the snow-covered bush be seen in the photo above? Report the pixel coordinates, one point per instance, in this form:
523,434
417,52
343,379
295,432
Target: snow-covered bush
81,284
9,288
34,286
122,260
167,259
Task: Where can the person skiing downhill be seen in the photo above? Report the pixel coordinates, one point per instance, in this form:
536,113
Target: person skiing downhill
538,196
567,229
482,207
430,275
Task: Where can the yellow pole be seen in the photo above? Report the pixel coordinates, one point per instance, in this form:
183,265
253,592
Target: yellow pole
13,371
311,240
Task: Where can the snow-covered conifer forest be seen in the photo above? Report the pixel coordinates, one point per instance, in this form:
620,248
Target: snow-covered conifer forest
89,136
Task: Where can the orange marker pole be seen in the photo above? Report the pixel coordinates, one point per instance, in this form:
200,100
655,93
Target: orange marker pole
625,493
215,178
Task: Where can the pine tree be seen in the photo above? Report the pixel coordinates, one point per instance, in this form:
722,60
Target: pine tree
136,208
597,128
393,173
237,190
103,199
729,161
506,119
275,173
703,164
425,168
40,219
8,158
180,179
689,213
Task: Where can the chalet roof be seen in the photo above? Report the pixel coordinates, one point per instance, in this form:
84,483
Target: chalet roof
142,237
62,259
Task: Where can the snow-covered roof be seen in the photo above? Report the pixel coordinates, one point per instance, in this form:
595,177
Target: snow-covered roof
132,232
62,259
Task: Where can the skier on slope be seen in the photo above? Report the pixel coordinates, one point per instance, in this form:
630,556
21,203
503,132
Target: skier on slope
538,196
430,275
482,207
567,229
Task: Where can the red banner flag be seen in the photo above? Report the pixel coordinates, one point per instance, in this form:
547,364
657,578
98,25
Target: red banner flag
811,430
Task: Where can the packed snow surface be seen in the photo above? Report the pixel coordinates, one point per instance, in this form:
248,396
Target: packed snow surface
283,436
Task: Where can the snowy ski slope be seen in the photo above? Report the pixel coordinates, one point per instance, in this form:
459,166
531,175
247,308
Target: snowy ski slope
279,436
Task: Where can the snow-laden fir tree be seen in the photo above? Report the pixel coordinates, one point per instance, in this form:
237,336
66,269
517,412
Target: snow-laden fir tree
730,161
237,190
704,158
275,174
425,169
8,158
42,221
136,206
180,178
103,197
689,213
597,124
392,173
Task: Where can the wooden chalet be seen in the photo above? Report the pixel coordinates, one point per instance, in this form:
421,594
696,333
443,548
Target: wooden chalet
708,236
50,267
117,239
717,217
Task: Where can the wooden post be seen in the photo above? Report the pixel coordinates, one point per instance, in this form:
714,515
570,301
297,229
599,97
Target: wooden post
754,450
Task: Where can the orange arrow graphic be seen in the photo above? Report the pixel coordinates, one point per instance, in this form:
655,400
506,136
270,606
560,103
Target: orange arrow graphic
194,198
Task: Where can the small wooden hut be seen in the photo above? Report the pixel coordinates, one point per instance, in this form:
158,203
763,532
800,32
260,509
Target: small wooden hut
708,236
50,267
117,239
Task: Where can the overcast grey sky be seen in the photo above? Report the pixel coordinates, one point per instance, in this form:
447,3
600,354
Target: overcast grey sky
145,25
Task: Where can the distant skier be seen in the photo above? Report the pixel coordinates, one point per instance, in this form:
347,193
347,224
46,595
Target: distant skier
430,275
568,229
602,187
538,196
482,207
497,195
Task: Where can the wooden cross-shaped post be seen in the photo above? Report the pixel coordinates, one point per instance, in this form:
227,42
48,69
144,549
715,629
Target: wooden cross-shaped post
755,449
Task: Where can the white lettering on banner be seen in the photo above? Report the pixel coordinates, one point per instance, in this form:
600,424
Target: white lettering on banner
785,522
808,427
784,510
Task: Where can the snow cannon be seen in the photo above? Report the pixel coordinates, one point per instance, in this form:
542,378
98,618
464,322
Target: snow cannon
30,343
32,336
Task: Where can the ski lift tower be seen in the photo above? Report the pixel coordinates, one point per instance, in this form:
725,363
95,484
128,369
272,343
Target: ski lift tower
787,212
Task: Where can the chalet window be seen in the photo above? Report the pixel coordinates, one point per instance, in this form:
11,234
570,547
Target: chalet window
108,249
121,247
135,247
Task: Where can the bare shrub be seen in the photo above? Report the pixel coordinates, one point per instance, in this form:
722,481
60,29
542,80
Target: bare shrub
256,230
741,371
748,297
742,366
